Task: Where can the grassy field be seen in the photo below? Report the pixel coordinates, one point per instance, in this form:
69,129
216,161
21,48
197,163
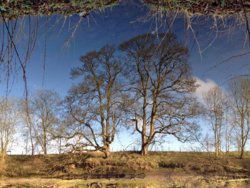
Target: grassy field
163,169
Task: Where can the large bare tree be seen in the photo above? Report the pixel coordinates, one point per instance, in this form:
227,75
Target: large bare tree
95,102
161,84
240,94
216,104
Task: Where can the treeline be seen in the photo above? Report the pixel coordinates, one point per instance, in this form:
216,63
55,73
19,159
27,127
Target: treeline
144,84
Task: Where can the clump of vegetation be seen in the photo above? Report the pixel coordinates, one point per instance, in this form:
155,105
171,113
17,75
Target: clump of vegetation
207,7
16,8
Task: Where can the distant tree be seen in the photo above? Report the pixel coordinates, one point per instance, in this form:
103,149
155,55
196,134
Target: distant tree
59,136
240,94
161,83
229,128
95,103
28,120
216,104
44,107
59,132
8,121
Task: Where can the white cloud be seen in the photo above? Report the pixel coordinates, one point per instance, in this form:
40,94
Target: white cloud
204,86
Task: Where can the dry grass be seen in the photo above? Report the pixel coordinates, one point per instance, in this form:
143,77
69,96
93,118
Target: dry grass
161,169
204,7
124,163
16,8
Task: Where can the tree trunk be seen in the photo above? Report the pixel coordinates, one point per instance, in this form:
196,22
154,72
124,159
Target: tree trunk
242,136
32,149
31,142
106,151
2,146
144,149
45,140
45,149
60,145
242,152
215,141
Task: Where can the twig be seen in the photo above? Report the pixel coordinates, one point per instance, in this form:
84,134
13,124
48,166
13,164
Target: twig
246,20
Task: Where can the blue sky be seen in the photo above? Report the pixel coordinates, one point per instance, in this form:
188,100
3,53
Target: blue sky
115,25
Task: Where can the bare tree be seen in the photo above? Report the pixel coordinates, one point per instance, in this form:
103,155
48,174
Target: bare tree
8,120
95,102
161,84
28,120
215,102
58,133
240,92
44,107
229,128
